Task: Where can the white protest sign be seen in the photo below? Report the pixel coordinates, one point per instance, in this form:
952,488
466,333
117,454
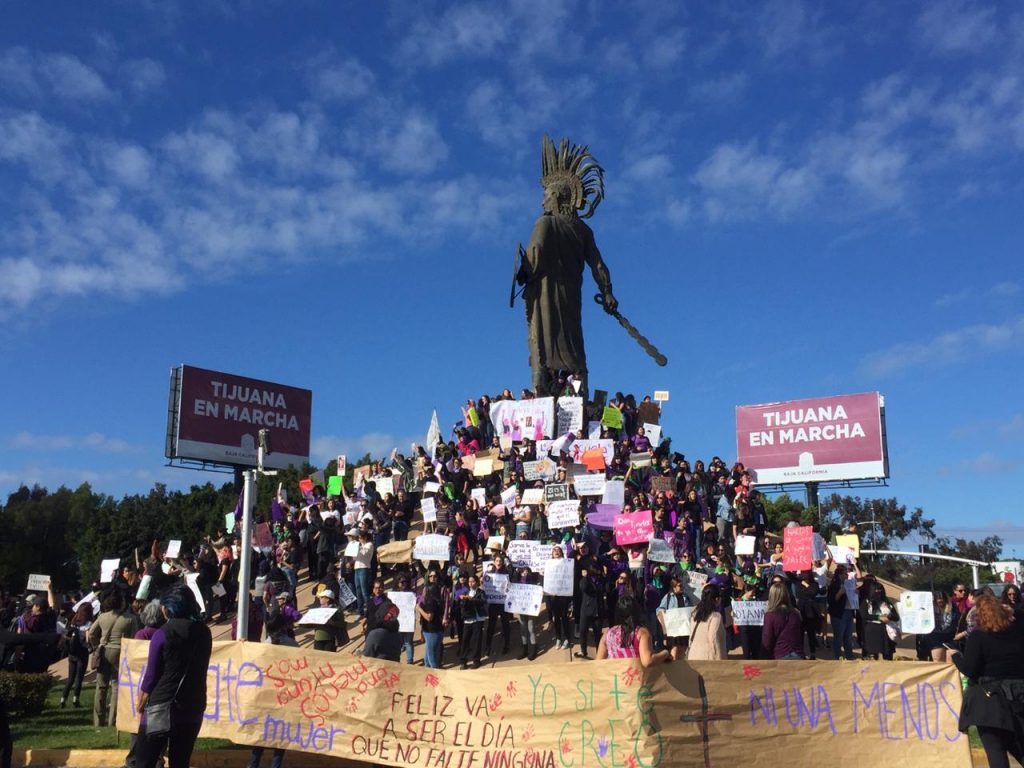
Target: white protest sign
142,593
589,485
479,495
192,581
432,546
917,612
695,581
495,586
558,577
508,496
318,616
524,598
218,589
406,604
569,415
173,548
352,548
431,487
542,469
524,419
429,509
564,514
495,542
661,395
95,603
745,544
528,553
841,555
614,493
677,621
660,552
593,430
38,582
533,496
345,595
817,547
483,467
748,613
108,569
653,432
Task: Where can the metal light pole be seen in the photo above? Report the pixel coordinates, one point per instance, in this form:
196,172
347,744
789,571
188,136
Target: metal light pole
245,562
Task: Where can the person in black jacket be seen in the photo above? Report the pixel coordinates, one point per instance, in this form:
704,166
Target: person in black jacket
591,591
179,654
473,609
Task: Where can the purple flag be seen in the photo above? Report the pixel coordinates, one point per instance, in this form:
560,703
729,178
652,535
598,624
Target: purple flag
238,506
276,513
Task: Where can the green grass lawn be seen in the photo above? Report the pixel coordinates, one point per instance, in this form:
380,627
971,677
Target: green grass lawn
71,728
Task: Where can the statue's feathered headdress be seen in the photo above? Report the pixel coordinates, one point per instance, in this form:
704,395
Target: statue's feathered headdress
576,168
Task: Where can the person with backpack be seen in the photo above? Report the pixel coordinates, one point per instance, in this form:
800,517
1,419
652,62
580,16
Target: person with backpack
78,653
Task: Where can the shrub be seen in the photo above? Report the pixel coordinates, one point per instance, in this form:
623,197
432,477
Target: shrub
25,694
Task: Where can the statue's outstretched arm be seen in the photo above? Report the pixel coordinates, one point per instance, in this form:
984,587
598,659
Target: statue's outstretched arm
601,274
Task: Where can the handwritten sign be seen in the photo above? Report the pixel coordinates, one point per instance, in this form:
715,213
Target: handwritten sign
431,486
173,548
564,514
661,395
694,585
508,496
633,527
495,586
662,484
798,548
526,553
524,419
38,582
850,541
614,492
524,598
588,485
659,551
697,713
108,569
569,415
429,509
917,612
479,495
745,544
677,621
318,616
556,492
559,577
406,604
611,417
432,546
345,595
533,496
748,613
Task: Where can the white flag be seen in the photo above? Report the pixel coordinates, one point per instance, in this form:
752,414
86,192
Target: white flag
433,434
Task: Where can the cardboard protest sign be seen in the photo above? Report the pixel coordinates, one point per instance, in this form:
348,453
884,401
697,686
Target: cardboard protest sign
334,485
524,598
533,496
556,492
695,581
588,485
558,577
483,467
318,616
745,544
108,569
661,395
662,484
593,459
851,541
495,586
677,621
173,548
611,417
38,582
429,509
542,469
659,551
524,419
564,514
648,413
917,612
495,542
653,432
345,595
568,415
305,486
432,546
523,716
634,527
748,613
479,495
798,548
614,493
359,475
406,604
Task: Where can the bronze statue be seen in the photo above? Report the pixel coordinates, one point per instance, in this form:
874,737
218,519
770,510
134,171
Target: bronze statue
551,267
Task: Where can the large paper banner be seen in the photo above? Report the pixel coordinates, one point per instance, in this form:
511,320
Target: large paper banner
495,586
569,415
659,551
748,613
580,447
588,485
542,469
564,715
108,569
850,541
634,527
38,582
677,621
694,585
917,612
432,546
745,544
564,514
559,577
406,604
429,509
524,419
798,548
524,598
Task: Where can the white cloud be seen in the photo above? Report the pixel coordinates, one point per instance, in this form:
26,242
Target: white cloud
414,146
956,27
665,49
789,28
141,76
331,78
986,463
946,348
378,444
1006,289
94,441
61,76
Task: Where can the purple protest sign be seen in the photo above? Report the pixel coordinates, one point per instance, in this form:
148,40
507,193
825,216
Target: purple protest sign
634,527
603,516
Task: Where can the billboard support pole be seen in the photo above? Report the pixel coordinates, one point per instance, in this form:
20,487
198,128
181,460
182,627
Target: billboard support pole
245,565
812,499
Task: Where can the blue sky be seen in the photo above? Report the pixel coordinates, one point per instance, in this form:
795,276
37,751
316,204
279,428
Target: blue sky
802,199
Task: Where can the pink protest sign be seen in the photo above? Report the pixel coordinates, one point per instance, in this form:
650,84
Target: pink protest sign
798,548
634,527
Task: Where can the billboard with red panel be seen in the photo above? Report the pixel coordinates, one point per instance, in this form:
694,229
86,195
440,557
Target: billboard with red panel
216,417
815,440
